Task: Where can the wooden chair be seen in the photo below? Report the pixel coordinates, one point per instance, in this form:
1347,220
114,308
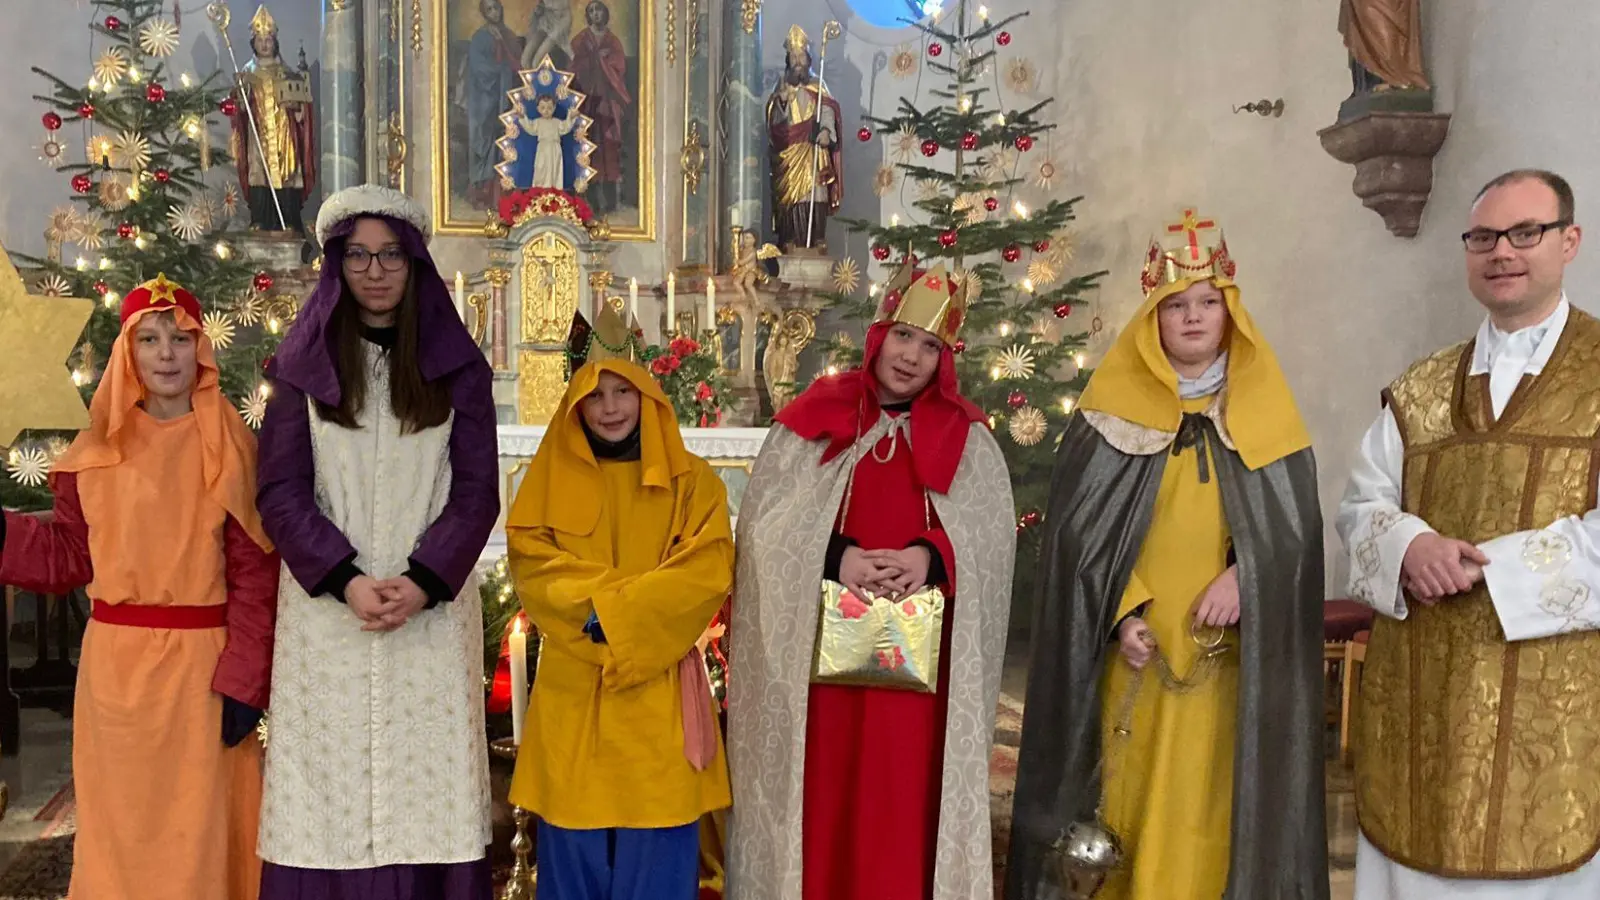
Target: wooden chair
1355,654
1342,621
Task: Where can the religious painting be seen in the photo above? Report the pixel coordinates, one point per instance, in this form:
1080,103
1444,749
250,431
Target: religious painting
600,60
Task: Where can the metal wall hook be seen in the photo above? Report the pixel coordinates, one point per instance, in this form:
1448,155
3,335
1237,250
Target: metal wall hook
1263,108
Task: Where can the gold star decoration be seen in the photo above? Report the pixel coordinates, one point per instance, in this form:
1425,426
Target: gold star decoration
846,276
55,447
37,334
159,37
230,199
1028,426
971,206
1046,330
884,180
63,224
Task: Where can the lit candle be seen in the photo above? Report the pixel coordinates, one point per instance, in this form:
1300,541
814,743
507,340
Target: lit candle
633,300
461,297
672,300
711,305
519,679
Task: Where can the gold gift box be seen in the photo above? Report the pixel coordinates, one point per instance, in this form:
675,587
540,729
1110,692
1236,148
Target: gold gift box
877,642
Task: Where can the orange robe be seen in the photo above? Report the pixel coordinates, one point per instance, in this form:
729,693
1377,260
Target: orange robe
163,808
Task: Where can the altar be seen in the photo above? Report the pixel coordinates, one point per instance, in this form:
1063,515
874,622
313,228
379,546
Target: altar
731,451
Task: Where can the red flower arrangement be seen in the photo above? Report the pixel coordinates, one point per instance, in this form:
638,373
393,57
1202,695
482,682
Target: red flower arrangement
545,202
691,376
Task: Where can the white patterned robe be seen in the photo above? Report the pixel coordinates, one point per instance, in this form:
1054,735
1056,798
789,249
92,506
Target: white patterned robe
785,521
376,753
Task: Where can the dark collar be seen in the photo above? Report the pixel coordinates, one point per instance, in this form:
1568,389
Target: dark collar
625,450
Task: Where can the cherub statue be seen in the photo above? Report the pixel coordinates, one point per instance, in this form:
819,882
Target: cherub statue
791,332
749,263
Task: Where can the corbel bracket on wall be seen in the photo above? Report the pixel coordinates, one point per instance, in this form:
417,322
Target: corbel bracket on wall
1393,155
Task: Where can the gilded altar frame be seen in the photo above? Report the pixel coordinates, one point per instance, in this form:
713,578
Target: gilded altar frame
452,214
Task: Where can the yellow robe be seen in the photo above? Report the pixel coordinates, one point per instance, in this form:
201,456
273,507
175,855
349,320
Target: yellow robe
603,744
1169,786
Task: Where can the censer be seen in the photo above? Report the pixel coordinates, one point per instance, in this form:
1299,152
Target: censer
1088,852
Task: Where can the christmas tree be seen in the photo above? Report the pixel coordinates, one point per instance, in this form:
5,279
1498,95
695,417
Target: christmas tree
1017,360
140,206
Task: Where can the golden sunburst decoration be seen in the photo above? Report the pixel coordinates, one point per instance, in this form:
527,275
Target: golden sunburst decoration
52,150
1016,361
1028,426
159,37
1021,75
884,180
846,276
230,199
1041,272
1063,247
250,309
63,224
110,66
1045,173
114,192
54,286
219,328
254,408
904,143
903,62
970,205
186,223
131,151
28,465
928,188
91,234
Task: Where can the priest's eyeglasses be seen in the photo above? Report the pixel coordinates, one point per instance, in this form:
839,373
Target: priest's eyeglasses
1522,237
359,259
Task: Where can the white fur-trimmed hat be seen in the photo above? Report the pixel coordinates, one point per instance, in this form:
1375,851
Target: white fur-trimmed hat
370,199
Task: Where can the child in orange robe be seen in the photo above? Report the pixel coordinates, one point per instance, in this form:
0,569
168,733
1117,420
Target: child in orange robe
155,512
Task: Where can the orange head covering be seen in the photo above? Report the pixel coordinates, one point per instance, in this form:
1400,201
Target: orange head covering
228,447
563,487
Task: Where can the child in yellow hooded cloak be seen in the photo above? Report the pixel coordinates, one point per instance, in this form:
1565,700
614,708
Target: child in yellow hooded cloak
621,551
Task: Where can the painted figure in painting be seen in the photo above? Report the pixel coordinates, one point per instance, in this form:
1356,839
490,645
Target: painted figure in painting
548,27
280,100
489,71
807,177
601,65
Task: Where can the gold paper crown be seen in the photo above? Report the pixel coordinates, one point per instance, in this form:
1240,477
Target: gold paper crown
262,24
797,38
609,338
931,300
1189,254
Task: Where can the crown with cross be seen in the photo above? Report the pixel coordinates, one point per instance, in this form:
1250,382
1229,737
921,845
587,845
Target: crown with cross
1188,254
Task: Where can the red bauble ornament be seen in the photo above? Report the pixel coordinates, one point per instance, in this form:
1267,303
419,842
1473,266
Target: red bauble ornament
960,346
1042,246
125,230
948,239
1003,38
1024,143
82,183
163,176
228,106
86,110
880,252
935,49
1011,253
930,147
113,23
263,282
155,93
864,135
1031,518
991,203
1017,400
51,121
969,141
100,288
1063,310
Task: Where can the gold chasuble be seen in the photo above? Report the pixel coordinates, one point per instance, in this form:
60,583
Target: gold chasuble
1480,758
645,545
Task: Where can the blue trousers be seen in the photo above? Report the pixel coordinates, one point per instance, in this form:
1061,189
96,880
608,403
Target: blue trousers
619,863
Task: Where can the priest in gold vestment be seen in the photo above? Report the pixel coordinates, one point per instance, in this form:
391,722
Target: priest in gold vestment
1177,645
1471,523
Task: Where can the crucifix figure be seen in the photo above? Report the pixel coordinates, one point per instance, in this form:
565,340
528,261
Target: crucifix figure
1191,226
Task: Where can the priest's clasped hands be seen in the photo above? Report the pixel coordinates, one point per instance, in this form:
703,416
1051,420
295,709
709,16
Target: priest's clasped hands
885,573
384,605
1436,567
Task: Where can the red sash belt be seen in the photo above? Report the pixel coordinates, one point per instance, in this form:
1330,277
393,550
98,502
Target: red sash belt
183,617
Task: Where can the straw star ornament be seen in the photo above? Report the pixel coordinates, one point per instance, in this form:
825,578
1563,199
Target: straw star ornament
37,335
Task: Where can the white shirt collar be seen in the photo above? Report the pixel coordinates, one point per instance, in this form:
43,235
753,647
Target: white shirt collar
1536,343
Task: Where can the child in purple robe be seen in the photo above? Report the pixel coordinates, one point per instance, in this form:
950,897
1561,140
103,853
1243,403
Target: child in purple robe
378,483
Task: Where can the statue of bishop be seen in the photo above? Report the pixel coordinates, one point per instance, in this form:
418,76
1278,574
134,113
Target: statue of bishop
278,155
807,177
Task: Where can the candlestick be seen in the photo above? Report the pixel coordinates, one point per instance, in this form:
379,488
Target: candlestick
519,678
711,305
672,295
633,301
461,297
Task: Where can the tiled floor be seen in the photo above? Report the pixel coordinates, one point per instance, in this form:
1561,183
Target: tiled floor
1341,842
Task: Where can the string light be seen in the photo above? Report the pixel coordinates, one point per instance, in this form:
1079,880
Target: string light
1079,360
185,80
966,104
222,250
78,378
894,220
1005,329
82,264
110,299
1000,119
192,127
833,370
1066,404
872,289
983,13
994,373
142,242
133,74
1020,210
94,84
273,325
1027,285
105,263
133,192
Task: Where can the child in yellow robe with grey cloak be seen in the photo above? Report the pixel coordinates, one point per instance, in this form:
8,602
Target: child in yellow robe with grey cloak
622,553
